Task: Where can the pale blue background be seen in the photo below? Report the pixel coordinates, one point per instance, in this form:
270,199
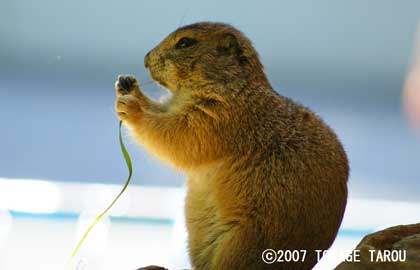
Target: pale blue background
344,59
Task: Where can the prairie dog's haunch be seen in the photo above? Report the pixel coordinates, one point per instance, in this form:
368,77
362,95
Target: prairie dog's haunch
264,172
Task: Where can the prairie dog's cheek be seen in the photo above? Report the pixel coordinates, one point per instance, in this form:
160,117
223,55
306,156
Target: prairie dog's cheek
180,71
171,70
171,75
196,75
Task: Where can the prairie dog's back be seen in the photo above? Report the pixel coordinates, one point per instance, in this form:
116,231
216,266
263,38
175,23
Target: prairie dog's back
284,186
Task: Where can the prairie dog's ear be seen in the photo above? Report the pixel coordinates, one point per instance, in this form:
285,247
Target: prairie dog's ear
227,44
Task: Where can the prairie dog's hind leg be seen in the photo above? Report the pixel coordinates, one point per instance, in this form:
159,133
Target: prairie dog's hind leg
237,250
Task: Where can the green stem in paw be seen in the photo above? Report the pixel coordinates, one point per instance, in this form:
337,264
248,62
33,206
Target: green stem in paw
102,214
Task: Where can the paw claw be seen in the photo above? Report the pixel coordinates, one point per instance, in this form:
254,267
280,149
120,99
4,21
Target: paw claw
127,84
124,83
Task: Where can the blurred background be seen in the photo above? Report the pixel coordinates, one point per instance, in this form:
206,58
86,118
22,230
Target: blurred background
59,154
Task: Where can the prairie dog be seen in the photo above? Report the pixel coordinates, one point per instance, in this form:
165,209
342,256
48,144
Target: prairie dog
263,171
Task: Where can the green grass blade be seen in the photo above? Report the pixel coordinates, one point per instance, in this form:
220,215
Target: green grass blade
103,213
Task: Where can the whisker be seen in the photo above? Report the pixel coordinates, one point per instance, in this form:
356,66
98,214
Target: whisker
146,83
181,21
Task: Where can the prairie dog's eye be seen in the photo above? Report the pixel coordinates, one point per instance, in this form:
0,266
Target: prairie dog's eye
185,42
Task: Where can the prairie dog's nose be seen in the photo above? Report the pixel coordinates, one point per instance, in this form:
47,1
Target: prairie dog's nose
146,60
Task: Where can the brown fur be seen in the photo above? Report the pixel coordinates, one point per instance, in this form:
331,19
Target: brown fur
264,171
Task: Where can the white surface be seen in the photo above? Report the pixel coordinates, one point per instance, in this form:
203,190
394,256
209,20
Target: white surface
45,244
149,228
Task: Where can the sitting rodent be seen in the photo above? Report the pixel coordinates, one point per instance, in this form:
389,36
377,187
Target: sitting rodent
264,172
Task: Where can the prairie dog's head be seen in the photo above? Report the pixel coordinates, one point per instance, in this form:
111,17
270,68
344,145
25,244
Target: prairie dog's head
201,55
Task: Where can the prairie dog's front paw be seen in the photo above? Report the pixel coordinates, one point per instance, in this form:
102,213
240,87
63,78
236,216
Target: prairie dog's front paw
127,85
128,108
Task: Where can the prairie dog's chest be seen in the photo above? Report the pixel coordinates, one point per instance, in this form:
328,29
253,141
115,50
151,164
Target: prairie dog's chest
201,216
200,203
200,198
